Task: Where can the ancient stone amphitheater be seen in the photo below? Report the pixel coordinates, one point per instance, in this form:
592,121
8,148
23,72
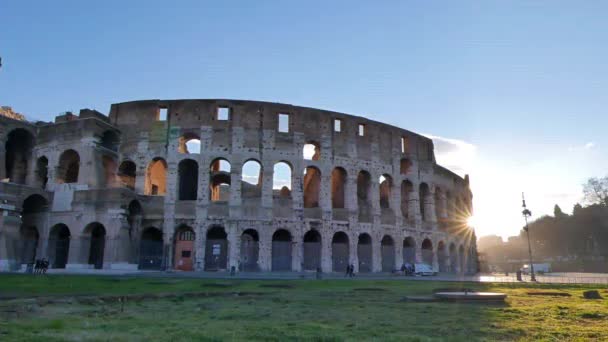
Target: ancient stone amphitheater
215,184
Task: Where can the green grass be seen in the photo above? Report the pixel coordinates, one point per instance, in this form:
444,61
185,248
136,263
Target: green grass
58,308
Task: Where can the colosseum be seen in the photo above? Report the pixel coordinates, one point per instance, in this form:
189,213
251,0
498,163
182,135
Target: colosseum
208,185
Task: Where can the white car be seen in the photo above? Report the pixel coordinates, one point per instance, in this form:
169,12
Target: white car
424,270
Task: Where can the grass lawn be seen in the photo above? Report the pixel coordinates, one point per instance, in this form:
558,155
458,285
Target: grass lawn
54,308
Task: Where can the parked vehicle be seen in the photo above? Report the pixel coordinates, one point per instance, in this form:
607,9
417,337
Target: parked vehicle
538,268
424,270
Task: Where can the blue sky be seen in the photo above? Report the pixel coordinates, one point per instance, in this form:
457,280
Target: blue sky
515,93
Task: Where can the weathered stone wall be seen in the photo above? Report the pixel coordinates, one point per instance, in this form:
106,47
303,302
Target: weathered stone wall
249,133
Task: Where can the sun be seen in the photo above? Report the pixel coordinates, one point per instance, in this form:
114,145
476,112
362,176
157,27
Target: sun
472,221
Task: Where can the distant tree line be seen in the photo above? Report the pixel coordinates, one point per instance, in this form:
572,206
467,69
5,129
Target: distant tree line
577,242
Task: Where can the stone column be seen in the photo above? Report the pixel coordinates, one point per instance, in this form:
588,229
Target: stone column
376,251
353,240
265,248
326,236
297,250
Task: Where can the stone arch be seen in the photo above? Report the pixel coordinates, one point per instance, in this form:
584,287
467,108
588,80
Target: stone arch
250,249
442,261
427,252
59,245
281,250
189,143
156,178
282,180
251,179
18,152
42,172
151,249
424,199
388,253
386,186
311,187
219,182
340,252
364,180
69,167
33,219
311,150
96,233
127,174
409,250
453,258
216,249
312,250
405,165
183,258
364,253
338,185
29,237
406,197
188,180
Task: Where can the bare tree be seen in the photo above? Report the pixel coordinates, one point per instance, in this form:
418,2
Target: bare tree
596,190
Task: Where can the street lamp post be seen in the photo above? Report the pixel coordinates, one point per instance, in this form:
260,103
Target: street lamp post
527,213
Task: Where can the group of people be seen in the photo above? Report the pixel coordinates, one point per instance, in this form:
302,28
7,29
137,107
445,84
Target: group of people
350,271
41,266
408,269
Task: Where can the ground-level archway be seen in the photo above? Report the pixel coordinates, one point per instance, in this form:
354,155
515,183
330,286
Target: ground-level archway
442,257
29,244
250,251
96,233
388,254
364,253
427,252
409,251
312,250
151,249
183,259
340,252
59,245
453,258
216,249
281,250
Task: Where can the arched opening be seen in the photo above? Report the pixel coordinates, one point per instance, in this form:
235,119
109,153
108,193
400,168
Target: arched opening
364,195
216,249
127,174
427,252
409,250
250,251
405,166
251,183
183,259
110,140
19,145
461,259
69,167
424,199
97,236
388,254
312,187
29,243
340,257
189,143
281,180
406,197
281,250
312,250
311,151
364,253
386,185
453,258
338,184
442,257
219,182
33,215
188,180
59,245
151,249
42,172
109,170
156,178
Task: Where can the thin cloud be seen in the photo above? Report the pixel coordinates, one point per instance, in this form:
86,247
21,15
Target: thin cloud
456,155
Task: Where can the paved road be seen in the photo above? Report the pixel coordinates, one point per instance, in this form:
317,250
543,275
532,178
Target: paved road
568,278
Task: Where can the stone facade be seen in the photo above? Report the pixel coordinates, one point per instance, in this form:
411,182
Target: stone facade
128,191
